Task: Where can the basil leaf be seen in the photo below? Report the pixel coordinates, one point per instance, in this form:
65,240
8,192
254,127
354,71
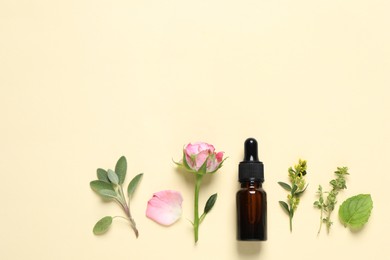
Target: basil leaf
121,169
102,225
355,211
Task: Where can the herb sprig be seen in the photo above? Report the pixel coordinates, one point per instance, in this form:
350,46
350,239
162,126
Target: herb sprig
298,186
326,206
109,187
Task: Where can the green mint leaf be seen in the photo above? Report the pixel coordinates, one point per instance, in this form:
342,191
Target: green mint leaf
112,176
133,184
285,186
121,169
102,225
210,203
355,211
102,175
284,206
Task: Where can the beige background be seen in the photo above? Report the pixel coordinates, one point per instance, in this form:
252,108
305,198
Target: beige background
84,82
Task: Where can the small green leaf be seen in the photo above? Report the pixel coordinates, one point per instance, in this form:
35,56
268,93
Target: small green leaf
100,185
108,194
355,211
121,169
133,184
203,169
102,175
185,163
210,203
284,206
285,186
300,192
102,225
112,176
294,189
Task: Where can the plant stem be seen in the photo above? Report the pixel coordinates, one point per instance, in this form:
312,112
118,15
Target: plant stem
196,206
321,220
126,209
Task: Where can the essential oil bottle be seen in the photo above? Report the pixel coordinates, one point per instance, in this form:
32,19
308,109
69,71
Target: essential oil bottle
251,198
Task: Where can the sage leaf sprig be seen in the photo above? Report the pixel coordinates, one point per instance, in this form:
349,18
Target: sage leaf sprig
355,211
109,186
297,187
327,205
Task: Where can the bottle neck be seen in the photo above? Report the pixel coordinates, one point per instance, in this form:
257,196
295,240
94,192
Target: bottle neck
251,184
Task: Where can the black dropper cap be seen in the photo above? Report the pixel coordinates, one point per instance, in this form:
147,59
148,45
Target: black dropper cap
251,169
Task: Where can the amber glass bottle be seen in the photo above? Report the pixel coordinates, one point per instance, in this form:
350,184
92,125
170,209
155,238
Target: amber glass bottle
251,198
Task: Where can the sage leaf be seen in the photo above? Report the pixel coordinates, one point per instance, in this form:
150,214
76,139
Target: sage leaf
121,169
210,203
355,211
102,225
285,186
113,177
284,206
133,184
100,185
110,194
102,175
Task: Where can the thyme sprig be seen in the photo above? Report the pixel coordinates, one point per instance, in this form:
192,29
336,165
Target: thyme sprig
326,206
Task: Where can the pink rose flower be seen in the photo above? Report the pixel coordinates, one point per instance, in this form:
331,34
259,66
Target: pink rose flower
201,154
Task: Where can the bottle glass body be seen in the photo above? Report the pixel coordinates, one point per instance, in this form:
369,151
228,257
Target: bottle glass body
251,212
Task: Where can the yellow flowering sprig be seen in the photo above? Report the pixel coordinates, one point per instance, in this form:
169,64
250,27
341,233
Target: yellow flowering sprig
297,187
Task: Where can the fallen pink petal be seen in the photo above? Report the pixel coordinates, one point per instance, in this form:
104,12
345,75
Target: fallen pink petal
165,207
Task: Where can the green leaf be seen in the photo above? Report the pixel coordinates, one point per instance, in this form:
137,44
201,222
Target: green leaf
108,194
294,189
133,184
210,203
121,169
355,211
102,175
285,186
185,163
285,206
300,192
102,225
112,176
203,169
98,186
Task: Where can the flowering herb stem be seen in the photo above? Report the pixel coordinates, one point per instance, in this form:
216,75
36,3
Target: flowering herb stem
327,205
298,186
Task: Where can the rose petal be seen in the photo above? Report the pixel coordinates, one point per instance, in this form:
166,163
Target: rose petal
165,207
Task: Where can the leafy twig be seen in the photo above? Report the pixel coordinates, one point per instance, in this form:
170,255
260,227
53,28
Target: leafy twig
298,186
110,186
326,206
